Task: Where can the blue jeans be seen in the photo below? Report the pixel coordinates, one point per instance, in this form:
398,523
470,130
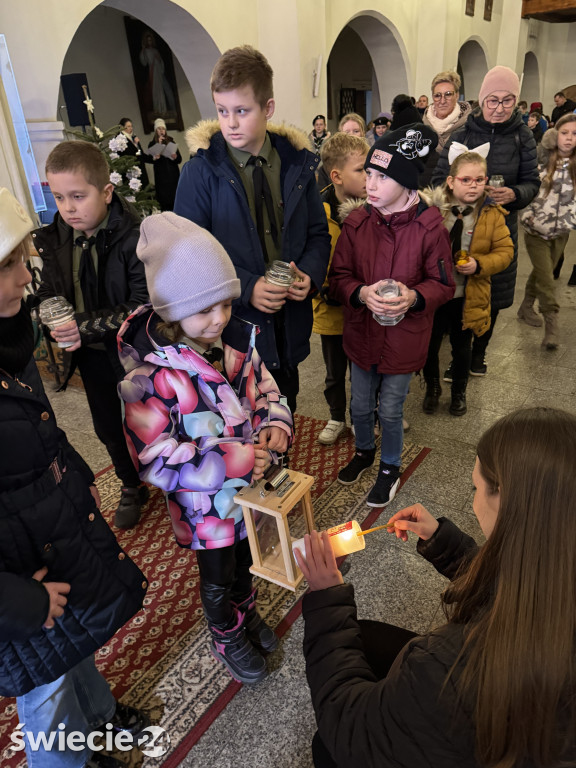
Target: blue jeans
81,699
392,389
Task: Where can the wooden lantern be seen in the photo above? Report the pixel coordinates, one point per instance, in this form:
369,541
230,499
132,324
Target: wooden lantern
277,565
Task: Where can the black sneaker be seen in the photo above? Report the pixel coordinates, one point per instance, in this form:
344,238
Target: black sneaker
361,461
129,719
130,506
98,760
448,374
385,487
478,367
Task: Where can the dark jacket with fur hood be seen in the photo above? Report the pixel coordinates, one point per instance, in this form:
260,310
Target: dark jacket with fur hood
211,194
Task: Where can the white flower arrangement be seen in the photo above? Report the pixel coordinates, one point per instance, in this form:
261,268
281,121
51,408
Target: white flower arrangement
130,198
114,155
135,184
115,178
118,144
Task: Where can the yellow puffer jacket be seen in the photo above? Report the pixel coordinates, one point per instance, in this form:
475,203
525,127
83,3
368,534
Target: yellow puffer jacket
492,248
328,319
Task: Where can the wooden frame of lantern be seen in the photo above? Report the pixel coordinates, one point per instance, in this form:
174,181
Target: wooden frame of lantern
253,499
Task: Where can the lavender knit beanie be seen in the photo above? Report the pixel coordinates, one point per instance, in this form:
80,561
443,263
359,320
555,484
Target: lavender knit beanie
187,270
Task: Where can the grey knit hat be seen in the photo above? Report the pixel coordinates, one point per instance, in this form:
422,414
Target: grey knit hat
187,270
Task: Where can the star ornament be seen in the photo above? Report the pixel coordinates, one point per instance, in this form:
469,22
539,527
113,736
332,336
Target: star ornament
413,145
89,105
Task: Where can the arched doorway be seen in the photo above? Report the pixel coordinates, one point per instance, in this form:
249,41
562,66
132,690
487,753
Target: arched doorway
362,57
530,90
100,49
472,66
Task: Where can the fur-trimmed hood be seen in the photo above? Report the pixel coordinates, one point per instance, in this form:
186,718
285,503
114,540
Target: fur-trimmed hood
346,208
550,139
434,196
200,135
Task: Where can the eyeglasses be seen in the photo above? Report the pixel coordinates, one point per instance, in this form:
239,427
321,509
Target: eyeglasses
493,103
468,180
440,96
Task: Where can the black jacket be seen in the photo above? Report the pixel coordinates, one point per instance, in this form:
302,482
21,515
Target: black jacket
166,176
565,109
121,278
405,720
513,155
55,524
135,150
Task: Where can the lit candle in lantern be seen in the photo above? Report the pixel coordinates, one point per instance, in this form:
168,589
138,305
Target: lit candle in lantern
345,538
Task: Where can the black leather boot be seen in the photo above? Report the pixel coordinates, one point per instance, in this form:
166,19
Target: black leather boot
432,396
458,404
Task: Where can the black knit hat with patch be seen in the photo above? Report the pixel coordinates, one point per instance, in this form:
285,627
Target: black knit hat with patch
401,154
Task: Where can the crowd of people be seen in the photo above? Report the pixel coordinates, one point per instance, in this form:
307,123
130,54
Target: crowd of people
189,356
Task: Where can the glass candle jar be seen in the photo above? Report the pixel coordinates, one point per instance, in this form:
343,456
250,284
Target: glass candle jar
280,273
55,312
496,181
386,289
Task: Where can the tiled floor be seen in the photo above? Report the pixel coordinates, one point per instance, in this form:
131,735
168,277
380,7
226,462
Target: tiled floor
271,725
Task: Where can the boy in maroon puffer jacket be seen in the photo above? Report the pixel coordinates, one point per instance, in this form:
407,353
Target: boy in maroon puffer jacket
394,235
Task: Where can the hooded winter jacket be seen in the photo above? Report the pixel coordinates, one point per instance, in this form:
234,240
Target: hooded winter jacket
554,214
492,247
48,517
211,194
191,429
513,155
413,247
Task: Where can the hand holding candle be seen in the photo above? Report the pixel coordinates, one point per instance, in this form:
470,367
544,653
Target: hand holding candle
319,565
415,518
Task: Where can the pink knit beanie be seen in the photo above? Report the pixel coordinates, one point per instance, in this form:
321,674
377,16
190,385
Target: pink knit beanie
499,79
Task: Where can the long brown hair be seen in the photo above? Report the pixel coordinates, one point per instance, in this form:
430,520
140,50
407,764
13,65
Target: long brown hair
555,156
518,597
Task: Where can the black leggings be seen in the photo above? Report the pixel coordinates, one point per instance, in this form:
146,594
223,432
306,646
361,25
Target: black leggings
224,577
382,643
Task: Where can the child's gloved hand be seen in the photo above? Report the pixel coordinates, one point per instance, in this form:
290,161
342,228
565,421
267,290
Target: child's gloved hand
319,567
415,518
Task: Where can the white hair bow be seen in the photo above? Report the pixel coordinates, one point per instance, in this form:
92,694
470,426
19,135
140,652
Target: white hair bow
457,149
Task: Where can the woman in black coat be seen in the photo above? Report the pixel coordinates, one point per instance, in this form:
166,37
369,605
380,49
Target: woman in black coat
134,149
495,684
513,155
166,171
66,586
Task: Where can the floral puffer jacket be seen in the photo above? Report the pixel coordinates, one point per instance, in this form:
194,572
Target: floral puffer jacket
191,429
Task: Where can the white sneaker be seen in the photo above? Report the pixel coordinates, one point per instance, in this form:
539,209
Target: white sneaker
331,432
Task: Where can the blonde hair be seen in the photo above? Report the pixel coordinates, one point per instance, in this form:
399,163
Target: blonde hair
448,76
457,163
171,330
242,66
338,148
356,118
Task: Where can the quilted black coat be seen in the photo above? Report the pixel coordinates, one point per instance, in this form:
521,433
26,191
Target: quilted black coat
513,154
406,720
44,522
